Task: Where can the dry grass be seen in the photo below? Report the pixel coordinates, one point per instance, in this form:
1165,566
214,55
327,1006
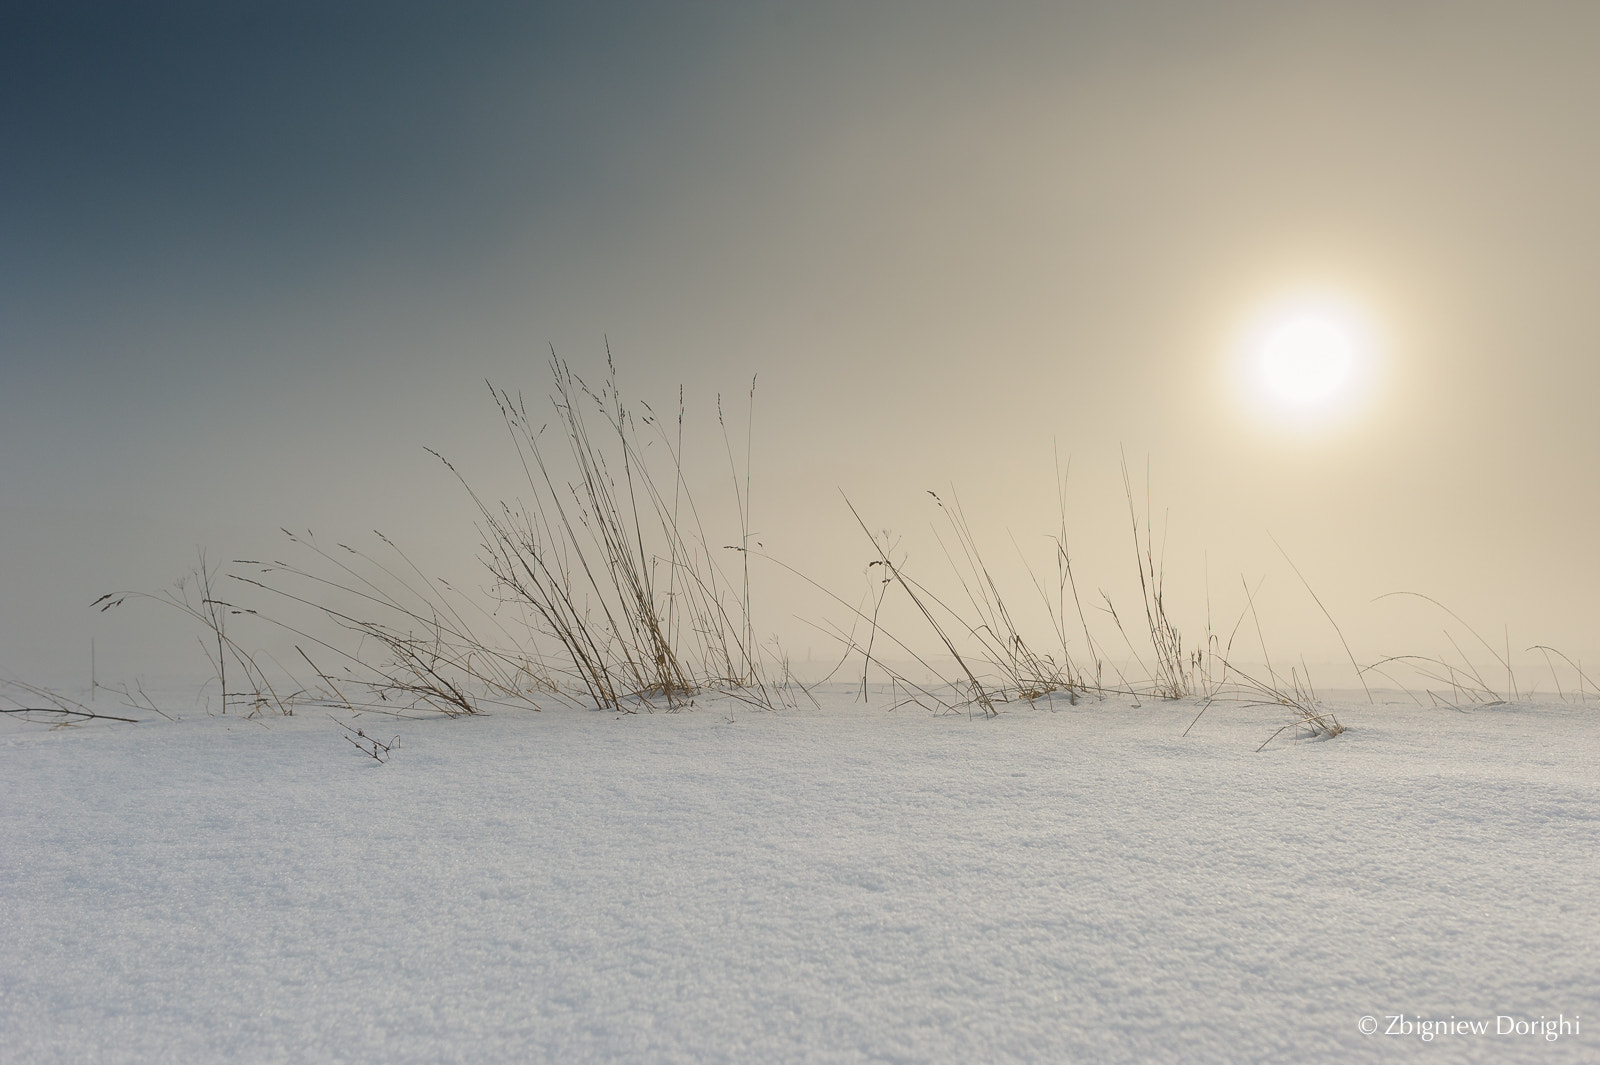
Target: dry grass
1266,687
242,682
603,584
604,587
1295,693
1026,673
45,705
615,564
428,656
1586,687
921,598
996,660
1456,673
1170,677
995,657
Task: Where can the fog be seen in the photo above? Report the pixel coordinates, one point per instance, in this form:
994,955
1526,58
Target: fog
255,258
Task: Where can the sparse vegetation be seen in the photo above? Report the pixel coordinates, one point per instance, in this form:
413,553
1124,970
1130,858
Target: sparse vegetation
240,677
371,746
605,588
603,582
51,707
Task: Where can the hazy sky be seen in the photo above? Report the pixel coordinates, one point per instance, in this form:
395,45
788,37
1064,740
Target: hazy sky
255,256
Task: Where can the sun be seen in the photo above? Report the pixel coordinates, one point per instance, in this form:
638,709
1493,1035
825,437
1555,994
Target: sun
1306,360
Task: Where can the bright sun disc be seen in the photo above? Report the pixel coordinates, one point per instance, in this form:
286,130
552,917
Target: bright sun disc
1306,360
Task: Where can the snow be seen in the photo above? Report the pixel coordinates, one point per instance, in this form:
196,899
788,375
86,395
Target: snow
841,883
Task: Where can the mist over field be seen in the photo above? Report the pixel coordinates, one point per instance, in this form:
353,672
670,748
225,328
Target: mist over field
257,258
920,531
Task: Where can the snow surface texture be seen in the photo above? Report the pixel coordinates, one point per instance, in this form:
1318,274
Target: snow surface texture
844,884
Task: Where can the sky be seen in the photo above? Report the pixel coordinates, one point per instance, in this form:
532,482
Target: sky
255,258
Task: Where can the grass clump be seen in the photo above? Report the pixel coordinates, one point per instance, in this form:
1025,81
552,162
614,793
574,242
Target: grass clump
413,650
615,565
603,584
995,658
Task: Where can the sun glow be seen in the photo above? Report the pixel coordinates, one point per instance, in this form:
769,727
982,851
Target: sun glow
1306,361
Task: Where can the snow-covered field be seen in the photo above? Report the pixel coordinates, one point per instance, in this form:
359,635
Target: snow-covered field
836,884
